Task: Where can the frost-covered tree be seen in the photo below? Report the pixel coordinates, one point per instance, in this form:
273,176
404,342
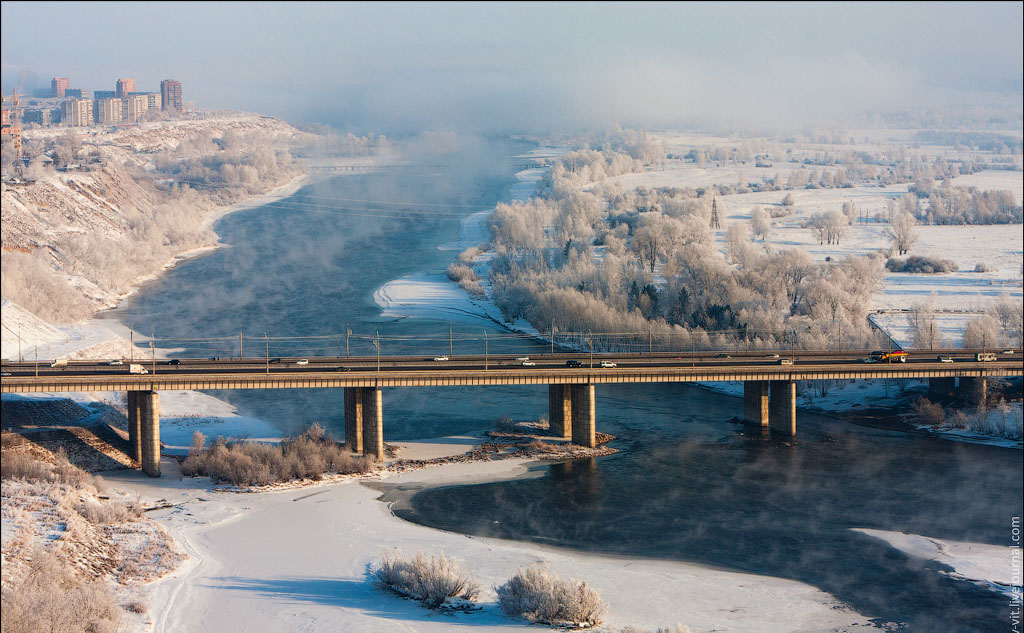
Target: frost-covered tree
982,332
902,232
760,223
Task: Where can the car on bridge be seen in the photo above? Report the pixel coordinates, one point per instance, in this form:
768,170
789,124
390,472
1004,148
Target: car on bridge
440,358
342,369
573,363
945,359
879,356
982,357
607,364
302,361
522,358
173,361
115,362
785,361
723,356
528,363
775,356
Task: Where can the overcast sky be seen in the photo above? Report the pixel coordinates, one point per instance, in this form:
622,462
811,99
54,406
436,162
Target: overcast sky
535,67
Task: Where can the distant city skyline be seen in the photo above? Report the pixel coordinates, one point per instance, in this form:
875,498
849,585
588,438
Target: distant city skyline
530,66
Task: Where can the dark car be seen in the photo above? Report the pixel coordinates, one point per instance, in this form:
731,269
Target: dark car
573,363
343,369
723,356
173,361
275,360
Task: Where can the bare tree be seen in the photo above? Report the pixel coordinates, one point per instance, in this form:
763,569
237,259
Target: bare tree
902,232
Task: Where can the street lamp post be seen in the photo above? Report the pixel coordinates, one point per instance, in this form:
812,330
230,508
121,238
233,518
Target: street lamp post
590,342
376,343
485,350
267,339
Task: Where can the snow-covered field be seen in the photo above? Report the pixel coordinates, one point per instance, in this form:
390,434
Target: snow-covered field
300,560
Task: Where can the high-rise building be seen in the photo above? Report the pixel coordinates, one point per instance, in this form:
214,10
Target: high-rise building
78,93
170,95
77,112
108,111
124,86
59,85
103,94
133,107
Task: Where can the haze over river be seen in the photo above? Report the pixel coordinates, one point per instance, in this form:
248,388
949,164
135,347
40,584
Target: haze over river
689,483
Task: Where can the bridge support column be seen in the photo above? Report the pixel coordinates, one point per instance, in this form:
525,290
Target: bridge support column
584,415
782,417
973,390
942,387
134,427
373,423
755,402
354,419
560,411
149,409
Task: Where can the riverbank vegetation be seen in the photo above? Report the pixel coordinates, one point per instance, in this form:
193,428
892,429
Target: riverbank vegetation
73,556
311,455
538,595
436,581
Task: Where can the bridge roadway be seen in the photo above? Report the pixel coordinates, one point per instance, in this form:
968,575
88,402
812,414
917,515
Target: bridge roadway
769,385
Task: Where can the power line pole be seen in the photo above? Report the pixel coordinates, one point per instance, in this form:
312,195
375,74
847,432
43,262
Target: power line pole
451,347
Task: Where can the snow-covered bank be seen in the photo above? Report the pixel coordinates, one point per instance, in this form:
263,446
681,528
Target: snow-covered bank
300,559
997,567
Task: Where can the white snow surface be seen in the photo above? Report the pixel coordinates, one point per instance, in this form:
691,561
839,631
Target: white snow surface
300,559
994,566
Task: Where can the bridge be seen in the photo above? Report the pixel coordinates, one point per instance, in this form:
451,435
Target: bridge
769,382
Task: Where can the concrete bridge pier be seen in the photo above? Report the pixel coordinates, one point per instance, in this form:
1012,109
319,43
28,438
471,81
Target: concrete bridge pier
149,423
134,427
354,419
373,423
560,411
782,416
973,390
942,387
756,398
364,421
584,415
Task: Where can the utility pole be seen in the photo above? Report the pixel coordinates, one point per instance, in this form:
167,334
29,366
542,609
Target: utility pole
152,348
552,338
485,350
348,333
451,348
590,341
376,343
240,344
650,340
131,342
267,339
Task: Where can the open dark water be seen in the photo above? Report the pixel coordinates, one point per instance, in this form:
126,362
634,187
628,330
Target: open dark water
688,484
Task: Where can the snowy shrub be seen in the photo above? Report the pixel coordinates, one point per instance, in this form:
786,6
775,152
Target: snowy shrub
930,413
311,455
924,265
53,597
982,267
108,512
538,595
434,581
